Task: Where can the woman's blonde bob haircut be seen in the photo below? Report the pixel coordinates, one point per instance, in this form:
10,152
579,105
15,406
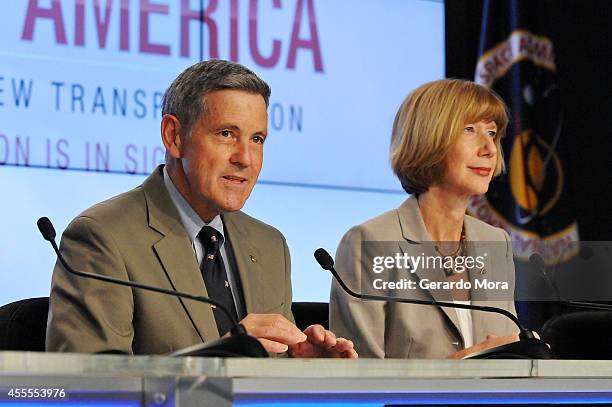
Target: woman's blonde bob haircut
430,120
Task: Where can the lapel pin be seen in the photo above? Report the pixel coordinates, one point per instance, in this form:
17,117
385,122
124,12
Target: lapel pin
253,259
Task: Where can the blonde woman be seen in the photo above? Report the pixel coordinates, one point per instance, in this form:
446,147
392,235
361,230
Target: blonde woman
445,148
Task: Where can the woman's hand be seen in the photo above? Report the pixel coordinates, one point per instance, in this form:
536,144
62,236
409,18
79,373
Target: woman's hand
491,341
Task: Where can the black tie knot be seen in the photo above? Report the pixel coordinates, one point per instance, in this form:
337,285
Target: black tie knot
211,240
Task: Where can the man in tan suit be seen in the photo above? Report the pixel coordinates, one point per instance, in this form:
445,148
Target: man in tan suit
213,128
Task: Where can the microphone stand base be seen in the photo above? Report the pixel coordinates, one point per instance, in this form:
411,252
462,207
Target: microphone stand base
236,345
523,349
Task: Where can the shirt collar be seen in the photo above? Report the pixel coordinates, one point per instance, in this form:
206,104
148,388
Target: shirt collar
190,219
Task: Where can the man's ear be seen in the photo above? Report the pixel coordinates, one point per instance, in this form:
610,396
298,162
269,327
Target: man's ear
171,135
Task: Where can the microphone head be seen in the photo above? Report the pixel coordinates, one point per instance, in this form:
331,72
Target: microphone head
324,259
537,260
46,228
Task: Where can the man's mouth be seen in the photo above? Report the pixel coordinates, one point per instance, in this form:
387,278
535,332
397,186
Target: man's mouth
234,179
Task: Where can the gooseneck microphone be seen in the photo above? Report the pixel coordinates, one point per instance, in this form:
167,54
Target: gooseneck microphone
238,344
327,263
536,260
528,347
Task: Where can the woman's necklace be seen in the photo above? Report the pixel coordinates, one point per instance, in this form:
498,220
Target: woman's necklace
449,271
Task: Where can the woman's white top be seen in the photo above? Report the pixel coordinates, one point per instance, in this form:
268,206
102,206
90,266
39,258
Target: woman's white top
465,323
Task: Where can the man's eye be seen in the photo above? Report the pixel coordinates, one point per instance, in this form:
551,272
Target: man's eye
258,139
226,133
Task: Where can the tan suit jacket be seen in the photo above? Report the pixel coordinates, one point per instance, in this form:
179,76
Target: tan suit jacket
138,236
392,330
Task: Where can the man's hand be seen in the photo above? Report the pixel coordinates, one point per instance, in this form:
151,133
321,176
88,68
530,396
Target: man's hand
274,331
491,341
277,334
321,343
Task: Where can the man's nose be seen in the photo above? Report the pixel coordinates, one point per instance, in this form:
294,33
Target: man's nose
241,154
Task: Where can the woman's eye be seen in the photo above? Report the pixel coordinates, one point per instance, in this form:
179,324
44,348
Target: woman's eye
468,129
492,133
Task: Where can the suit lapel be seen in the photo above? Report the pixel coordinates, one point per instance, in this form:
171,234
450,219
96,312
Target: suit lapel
247,261
476,246
415,232
176,255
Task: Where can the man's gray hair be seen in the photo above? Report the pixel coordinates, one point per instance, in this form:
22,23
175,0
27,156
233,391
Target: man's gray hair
184,97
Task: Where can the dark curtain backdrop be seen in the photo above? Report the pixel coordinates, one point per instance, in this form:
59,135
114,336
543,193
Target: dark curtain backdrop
582,35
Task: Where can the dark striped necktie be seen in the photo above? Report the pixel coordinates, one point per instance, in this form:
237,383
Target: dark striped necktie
215,277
